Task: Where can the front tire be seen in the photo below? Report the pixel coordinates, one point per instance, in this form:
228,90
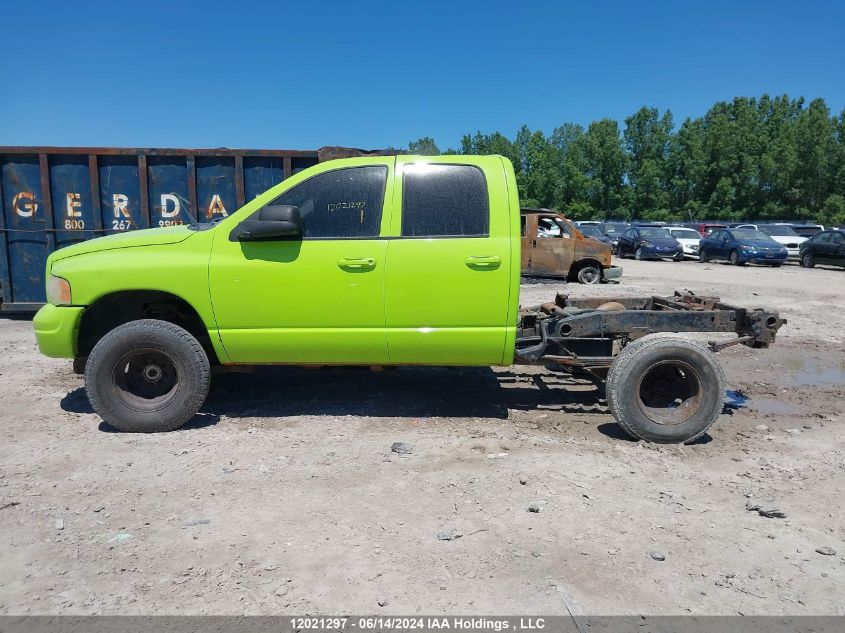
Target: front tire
808,261
589,274
734,258
665,388
147,376
638,254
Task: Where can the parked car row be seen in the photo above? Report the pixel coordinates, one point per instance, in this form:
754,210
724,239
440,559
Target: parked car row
738,244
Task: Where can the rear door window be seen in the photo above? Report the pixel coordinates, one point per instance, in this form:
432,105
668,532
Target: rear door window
444,201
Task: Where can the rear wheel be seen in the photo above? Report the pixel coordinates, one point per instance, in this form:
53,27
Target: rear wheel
703,257
807,260
589,274
665,388
147,376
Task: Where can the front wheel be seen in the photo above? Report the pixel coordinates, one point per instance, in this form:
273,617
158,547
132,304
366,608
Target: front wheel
638,254
679,257
665,388
589,274
147,376
734,259
807,260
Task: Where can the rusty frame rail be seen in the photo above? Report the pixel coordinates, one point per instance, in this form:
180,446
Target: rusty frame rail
588,333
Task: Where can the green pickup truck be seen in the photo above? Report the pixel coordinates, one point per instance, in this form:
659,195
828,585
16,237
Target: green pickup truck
388,260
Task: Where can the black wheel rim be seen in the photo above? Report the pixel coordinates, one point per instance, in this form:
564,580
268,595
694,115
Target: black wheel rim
670,392
146,379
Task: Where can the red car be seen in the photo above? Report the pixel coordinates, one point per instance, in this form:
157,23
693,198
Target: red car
706,228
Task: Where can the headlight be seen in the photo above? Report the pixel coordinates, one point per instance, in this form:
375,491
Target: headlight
743,247
58,291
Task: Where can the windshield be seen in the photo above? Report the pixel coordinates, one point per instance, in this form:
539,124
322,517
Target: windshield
653,232
782,230
751,234
685,234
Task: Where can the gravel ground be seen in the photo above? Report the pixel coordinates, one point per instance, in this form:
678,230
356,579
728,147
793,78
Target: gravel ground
284,496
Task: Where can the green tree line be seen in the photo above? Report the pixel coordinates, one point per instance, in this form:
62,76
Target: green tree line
767,158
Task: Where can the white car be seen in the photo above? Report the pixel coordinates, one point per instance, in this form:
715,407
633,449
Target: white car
780,233
689,239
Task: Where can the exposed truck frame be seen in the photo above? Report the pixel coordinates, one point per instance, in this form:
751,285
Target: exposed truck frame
660,386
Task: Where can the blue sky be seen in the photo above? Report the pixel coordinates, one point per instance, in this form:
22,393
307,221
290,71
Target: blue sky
371,74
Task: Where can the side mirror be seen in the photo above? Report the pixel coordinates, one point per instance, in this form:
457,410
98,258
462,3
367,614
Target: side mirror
274,222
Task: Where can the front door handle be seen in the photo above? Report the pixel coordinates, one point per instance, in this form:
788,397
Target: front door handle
357,263
487,261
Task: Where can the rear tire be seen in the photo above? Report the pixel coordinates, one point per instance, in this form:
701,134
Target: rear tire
589,274
147,376
665,388
703,257
808,261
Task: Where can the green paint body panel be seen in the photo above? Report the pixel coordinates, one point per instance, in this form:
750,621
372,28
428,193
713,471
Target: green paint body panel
55,330
431,301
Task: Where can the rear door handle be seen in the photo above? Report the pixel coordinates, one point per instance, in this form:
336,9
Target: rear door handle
486,261
357,263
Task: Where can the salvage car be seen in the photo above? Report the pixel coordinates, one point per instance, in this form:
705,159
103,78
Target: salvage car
389,260
741,246
783,234
826,248
649,242
805,229
552,246
688,238
706,228
613,230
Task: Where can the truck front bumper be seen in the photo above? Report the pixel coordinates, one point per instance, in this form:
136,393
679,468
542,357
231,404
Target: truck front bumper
614,272
56,329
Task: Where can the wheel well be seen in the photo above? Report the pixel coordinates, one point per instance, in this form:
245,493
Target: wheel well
115,309
581,263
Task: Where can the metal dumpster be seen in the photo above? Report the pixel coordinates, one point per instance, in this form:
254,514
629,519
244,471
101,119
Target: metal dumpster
51,197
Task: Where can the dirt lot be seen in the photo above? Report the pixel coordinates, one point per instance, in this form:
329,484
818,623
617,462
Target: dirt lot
284,496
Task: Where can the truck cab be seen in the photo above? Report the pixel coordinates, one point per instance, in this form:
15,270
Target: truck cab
552,246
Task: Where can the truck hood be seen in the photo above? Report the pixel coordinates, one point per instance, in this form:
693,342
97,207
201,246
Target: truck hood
128,239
